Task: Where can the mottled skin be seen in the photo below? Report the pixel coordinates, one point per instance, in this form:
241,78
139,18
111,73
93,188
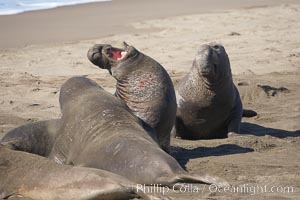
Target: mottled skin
28,176
209,104
98,131
143,84
37,138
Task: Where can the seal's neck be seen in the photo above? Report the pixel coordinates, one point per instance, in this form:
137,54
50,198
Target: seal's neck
213,83
121,91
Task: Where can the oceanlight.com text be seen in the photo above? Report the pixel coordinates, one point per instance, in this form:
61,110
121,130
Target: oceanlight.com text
250,189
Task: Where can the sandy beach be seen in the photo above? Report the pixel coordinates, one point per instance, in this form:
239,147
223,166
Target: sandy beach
40,50
96,20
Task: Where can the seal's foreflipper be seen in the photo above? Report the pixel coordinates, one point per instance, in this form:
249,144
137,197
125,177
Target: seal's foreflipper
179,128
36,137
249,113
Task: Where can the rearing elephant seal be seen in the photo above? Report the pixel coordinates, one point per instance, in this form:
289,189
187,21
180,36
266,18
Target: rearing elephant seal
209,104
28,176
143,84
98,131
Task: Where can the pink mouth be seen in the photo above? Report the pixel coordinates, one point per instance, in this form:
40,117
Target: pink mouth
117,54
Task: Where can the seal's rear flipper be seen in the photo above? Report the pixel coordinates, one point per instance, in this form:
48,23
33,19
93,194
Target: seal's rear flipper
16,197
37,137
194,178
249,113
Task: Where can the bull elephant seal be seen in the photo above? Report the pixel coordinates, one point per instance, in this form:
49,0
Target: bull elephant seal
99,131
28,176
143,84
209,104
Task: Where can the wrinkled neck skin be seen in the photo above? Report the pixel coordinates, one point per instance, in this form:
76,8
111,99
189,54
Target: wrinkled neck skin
142,90
213,82
141,85
122,69
196,87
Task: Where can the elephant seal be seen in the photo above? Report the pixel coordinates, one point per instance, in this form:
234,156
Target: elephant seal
37,137
209,104
99,131
28,176
143,84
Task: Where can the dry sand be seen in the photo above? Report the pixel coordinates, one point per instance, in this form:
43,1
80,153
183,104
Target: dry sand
263,44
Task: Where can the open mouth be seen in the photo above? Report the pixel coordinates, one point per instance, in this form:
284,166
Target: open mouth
115,53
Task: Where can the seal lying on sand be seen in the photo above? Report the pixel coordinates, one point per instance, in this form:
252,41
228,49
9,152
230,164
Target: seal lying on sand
28,176
99,131
143,84
209,104
37,137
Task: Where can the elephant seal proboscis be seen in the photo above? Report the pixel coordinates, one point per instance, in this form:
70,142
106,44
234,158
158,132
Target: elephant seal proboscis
209,104
28,176
143,84
99,131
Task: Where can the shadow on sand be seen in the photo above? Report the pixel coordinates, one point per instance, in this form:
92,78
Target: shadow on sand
183,155
257,130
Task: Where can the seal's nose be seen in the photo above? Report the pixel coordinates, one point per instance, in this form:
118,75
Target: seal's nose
94,54
205,59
